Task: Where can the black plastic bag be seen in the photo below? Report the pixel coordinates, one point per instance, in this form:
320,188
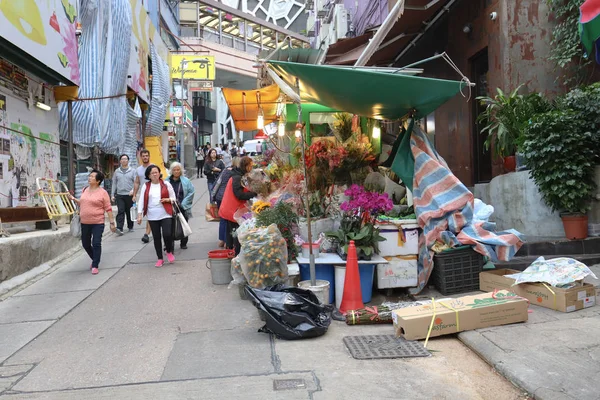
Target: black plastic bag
291,313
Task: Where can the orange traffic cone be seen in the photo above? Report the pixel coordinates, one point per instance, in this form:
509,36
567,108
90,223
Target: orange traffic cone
352,298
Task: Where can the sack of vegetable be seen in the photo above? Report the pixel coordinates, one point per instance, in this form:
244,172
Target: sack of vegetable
263,256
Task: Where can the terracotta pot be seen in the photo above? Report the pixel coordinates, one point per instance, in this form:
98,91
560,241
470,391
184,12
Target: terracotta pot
576,226
510,164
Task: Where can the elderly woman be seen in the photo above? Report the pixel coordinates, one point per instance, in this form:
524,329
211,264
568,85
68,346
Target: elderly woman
156,202
94,202
184,192
235,198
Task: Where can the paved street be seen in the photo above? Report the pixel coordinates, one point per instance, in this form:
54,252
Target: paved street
135,331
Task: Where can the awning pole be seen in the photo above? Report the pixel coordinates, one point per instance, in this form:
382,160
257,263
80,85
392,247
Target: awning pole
313,274
382,32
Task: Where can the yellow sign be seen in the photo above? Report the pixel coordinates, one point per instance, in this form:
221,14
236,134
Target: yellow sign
201,67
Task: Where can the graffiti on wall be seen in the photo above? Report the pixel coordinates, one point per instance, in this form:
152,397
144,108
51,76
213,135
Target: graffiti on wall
27,151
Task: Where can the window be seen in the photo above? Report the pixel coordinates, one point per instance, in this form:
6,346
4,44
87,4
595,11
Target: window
201,99
5,146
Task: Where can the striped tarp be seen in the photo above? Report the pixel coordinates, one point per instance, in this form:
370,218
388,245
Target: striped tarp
161,94
130,146
444,209
103,59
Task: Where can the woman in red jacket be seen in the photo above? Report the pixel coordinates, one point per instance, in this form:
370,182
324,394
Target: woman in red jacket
234,198
156,202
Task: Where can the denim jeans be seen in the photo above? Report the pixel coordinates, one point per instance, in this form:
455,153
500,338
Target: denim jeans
91,240
222,226
211,185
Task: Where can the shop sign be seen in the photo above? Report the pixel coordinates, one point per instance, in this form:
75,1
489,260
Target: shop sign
45,30
201,86
176,112
189,116
204,69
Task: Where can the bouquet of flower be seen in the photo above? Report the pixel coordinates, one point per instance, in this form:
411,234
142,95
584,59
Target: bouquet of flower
257,181
367,204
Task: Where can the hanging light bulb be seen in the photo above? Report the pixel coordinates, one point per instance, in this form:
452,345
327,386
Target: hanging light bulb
260,121
376,131
298,130
281,128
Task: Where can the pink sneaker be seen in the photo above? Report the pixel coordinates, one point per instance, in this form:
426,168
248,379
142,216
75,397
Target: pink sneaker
159,263
94,271
171,258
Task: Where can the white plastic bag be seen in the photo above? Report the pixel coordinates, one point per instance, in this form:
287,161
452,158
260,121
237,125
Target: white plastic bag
75,227
481,211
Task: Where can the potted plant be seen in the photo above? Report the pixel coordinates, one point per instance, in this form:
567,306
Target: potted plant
360,212
505,118
560,154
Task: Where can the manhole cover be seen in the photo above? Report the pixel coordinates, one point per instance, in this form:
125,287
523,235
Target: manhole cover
288,384
383,346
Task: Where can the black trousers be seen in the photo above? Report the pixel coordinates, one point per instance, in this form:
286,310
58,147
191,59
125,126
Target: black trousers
124,203
232,242
199,167
91,240
166,226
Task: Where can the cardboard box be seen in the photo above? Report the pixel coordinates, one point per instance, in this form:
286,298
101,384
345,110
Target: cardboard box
460,314
565,300
398,272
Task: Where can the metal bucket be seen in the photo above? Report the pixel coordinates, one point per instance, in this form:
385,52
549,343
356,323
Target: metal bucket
321,289
219,263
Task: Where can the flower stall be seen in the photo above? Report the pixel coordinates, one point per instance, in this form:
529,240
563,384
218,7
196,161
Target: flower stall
321,185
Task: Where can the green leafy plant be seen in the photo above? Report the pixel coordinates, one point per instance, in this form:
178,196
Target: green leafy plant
565,47
366,237
585,102
559,152
282,215
506,116
342,126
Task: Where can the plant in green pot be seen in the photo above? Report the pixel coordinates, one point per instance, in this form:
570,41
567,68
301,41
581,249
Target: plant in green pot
504,120
560,153
360,212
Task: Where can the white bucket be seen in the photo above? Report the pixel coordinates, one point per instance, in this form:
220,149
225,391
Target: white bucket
321,290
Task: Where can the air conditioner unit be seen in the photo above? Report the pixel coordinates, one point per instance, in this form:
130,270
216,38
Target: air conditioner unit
340,20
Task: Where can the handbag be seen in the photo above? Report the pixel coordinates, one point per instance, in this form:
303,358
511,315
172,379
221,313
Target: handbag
181,228
75,227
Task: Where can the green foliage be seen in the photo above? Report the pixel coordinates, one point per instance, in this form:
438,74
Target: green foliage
282,215
586,103
366,237
566,49
559,152
342,126
506,116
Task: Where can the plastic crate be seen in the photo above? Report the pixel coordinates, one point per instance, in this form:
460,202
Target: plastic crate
457,271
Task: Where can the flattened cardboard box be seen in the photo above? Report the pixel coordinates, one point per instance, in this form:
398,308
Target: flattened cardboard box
460,314
565,300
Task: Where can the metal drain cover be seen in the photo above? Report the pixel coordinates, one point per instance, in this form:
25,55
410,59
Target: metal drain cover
288,384
370,347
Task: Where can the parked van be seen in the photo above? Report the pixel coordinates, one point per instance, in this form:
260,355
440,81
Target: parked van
253,147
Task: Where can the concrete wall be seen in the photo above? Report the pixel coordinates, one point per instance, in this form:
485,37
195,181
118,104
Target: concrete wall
22,252
518,204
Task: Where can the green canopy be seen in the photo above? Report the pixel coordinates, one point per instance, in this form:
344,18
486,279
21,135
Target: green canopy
368,93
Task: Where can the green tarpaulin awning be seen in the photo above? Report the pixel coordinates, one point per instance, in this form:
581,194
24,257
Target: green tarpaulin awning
367,93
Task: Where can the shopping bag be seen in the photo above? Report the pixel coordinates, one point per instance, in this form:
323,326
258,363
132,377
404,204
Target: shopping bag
75,227
181,228
212,212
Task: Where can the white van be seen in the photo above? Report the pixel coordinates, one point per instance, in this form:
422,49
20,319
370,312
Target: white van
253,147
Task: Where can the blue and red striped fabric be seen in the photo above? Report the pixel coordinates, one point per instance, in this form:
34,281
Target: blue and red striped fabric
444,208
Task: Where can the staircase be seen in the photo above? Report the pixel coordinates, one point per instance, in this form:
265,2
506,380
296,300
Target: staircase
587,251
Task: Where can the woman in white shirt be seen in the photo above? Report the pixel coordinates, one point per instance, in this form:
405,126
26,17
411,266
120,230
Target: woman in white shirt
156,201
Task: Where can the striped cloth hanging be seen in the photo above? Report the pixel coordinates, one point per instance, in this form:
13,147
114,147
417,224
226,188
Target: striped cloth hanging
103,60
161,94
444,208
130,146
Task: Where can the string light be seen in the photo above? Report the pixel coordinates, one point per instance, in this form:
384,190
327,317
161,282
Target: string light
260,121
298,130
281,128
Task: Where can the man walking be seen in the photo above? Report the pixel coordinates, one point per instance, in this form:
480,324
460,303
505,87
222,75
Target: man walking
139,180
122,184
199,162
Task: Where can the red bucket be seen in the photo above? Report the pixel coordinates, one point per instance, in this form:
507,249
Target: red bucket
221,254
